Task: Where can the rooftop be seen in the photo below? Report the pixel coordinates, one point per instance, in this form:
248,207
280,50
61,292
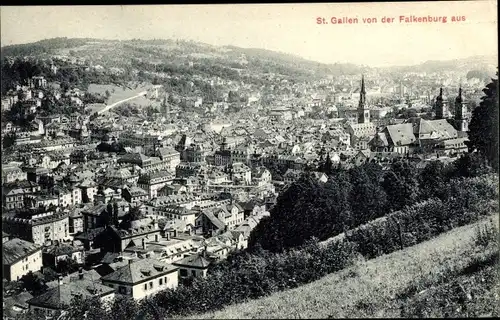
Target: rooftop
139,271
16,249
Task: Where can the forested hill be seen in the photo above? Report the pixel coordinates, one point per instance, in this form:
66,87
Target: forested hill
252,60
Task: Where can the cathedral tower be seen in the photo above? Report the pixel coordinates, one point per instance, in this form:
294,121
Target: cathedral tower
460,112
441,106
363,114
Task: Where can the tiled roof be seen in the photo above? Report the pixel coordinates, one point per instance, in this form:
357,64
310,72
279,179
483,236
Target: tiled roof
196,260
62,249
16,249
401,134
61,296
219,224
140,270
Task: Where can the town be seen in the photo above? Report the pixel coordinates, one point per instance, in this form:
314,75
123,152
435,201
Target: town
135,188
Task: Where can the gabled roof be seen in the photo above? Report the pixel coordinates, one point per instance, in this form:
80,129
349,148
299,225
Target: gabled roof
139,271
440,129
401,134
61,296
196,260
16,249
215,221
62,249
136,158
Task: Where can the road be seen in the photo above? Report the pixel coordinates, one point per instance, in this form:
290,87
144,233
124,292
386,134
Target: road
108,107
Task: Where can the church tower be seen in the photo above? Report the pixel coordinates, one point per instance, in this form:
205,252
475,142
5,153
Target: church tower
363,114
441,106
460,113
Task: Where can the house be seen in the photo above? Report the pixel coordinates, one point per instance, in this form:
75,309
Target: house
361,132
169,155
16,305
394,138
62,251
14,193
173,212
114,239
142,278
38,225
193,266
60,297
95,216
135,195
19,257
88,237
75,222
261,176
5,237
171,189
154,181
219,219
11,173
241,174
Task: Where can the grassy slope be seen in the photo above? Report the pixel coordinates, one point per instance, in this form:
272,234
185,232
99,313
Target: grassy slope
406,281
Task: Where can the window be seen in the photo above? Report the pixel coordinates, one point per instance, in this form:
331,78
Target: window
151,285
122,290
193,273
183,273
161,281
166,280
146,286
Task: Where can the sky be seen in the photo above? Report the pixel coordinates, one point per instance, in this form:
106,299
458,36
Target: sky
290,28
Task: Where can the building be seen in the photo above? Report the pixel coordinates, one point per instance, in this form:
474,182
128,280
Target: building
14,193
135,195
219,219
38,226
154,181
61,251
169,155
363,113
114,239
60,297
142,278
195,265
461,123
441,106
11,173
20,257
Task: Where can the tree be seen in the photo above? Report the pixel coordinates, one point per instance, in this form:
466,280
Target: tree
401,185
469,165
367,198
33,283
483,127
432,180
67,266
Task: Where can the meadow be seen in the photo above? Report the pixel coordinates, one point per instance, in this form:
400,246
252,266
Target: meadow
452,274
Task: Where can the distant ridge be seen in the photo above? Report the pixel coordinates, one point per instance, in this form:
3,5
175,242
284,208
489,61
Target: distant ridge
262,57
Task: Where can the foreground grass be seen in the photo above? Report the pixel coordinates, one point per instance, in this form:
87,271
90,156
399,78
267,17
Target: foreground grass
418,281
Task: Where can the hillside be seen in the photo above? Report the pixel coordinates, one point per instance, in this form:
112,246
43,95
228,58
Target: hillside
419,281
253,65
179,52
485,63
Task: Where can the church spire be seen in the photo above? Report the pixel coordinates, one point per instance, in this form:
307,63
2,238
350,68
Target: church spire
363,84
459,97
363,115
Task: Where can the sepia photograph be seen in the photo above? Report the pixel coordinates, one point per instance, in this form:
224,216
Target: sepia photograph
250,161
